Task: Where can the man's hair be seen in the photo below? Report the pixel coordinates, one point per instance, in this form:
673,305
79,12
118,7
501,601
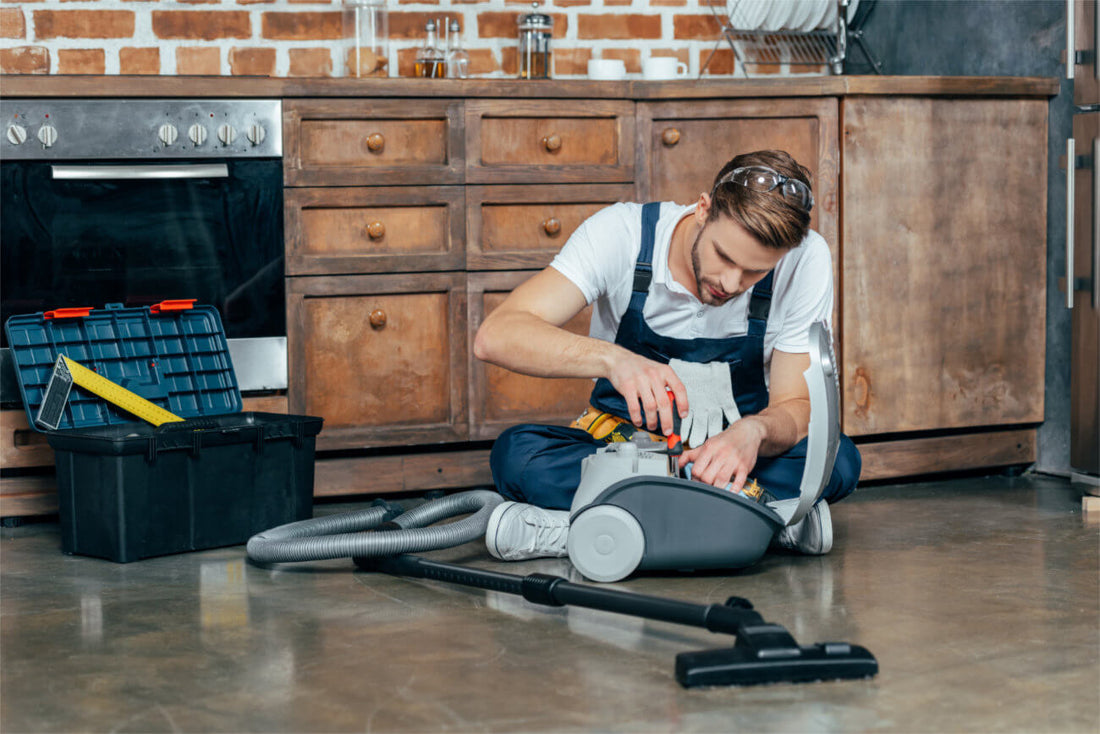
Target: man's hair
768,216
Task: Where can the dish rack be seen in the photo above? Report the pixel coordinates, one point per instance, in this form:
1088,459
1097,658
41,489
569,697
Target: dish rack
819,47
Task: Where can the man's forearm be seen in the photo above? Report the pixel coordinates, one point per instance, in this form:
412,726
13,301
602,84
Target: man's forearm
781,425
524,343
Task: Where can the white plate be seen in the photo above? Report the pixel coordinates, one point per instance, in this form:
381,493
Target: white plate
829,20
777,15
818,9
800,14
747,15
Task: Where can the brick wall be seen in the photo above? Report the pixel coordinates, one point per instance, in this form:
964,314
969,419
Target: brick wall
304,38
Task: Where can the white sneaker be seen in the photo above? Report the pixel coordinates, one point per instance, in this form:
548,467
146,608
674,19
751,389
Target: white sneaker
517,532
812,535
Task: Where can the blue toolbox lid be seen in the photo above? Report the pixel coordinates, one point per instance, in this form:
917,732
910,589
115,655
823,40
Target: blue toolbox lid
173,354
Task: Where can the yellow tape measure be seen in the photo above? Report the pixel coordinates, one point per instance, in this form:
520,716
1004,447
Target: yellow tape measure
67,372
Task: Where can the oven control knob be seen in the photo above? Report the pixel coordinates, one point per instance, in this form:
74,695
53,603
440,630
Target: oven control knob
256,133
167,133
226,134
47,135
16,134
197,133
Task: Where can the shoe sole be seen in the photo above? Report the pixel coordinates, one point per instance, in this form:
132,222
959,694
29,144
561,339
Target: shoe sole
826,528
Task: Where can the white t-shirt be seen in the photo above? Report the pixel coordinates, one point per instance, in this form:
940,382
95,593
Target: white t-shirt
599,259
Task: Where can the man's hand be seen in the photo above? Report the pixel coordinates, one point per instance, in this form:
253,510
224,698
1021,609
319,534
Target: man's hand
729,456
642,382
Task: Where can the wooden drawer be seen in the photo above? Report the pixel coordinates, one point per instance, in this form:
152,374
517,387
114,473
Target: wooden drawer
566,141
500,398
337,142
511,227
397,379
368,230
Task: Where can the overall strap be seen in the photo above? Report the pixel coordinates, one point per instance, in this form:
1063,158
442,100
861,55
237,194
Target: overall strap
643,267
760,304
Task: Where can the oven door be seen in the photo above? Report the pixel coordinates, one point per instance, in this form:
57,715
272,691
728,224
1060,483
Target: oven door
86,234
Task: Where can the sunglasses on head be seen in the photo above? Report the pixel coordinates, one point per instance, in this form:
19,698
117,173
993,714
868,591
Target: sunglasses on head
764,179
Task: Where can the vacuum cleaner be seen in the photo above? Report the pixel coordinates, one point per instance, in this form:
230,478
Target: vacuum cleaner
631,512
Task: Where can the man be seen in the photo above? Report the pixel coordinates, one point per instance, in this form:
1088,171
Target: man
707,305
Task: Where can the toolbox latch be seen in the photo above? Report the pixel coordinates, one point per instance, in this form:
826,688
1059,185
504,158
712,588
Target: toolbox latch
170,306
75,312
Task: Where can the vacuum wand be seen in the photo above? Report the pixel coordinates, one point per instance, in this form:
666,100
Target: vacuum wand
763,652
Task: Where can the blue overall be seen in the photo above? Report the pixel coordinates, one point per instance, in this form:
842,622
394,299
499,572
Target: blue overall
541,464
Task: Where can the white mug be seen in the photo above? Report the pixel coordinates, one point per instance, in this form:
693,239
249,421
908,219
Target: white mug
663,67
606,69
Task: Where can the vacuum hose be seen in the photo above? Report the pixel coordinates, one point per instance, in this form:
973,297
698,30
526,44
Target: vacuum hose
338,536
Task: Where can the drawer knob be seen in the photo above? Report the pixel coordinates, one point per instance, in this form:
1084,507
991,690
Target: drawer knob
670,136
376,142
376,230
551,226
552,142
377,318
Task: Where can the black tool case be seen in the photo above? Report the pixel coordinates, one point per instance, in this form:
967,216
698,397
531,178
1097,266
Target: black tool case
129,490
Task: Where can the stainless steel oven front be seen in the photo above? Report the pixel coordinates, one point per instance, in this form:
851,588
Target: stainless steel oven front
137,201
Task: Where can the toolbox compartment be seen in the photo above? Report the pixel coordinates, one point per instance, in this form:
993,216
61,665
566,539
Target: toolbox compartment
129,490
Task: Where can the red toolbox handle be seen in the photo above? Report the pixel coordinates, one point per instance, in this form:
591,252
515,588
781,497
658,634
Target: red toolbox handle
171,306
74,312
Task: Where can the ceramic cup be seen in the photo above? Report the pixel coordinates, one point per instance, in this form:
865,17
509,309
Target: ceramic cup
606,69
663,67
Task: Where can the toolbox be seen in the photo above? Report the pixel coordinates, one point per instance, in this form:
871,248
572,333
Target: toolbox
127,489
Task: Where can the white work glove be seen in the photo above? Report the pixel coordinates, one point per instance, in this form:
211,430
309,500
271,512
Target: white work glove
710,398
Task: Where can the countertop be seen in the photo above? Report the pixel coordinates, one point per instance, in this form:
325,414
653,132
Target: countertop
225,86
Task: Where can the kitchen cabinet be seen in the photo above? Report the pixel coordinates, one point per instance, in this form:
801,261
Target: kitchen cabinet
412,208
381,357
944,264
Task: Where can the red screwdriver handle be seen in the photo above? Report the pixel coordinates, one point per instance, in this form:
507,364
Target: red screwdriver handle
675,443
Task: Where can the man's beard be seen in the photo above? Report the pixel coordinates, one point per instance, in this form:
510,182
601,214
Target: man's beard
701,291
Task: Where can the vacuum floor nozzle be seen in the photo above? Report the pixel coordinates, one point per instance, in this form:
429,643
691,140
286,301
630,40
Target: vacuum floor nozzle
746,665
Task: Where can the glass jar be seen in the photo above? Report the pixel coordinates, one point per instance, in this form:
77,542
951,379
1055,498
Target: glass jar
367,25
458,60
430,57
535,29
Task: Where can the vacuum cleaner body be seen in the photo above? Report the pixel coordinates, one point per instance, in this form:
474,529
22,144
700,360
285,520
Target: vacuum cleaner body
632,512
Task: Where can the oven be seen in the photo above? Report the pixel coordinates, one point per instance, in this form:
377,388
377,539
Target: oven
141,201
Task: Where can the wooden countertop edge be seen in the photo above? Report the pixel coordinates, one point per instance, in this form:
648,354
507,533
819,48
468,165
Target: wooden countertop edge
219,86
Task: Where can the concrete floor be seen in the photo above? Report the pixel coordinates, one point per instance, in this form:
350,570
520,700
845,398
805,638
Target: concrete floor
979,597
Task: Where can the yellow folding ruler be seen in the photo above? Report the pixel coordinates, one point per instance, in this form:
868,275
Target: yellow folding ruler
67,372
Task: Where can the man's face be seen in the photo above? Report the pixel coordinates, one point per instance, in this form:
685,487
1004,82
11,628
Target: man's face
727,260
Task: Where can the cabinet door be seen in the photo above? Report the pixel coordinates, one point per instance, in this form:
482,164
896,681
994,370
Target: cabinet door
1084,446
500,398
374,230
372,142
382,358
563,141
683,145
944,269
512,227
